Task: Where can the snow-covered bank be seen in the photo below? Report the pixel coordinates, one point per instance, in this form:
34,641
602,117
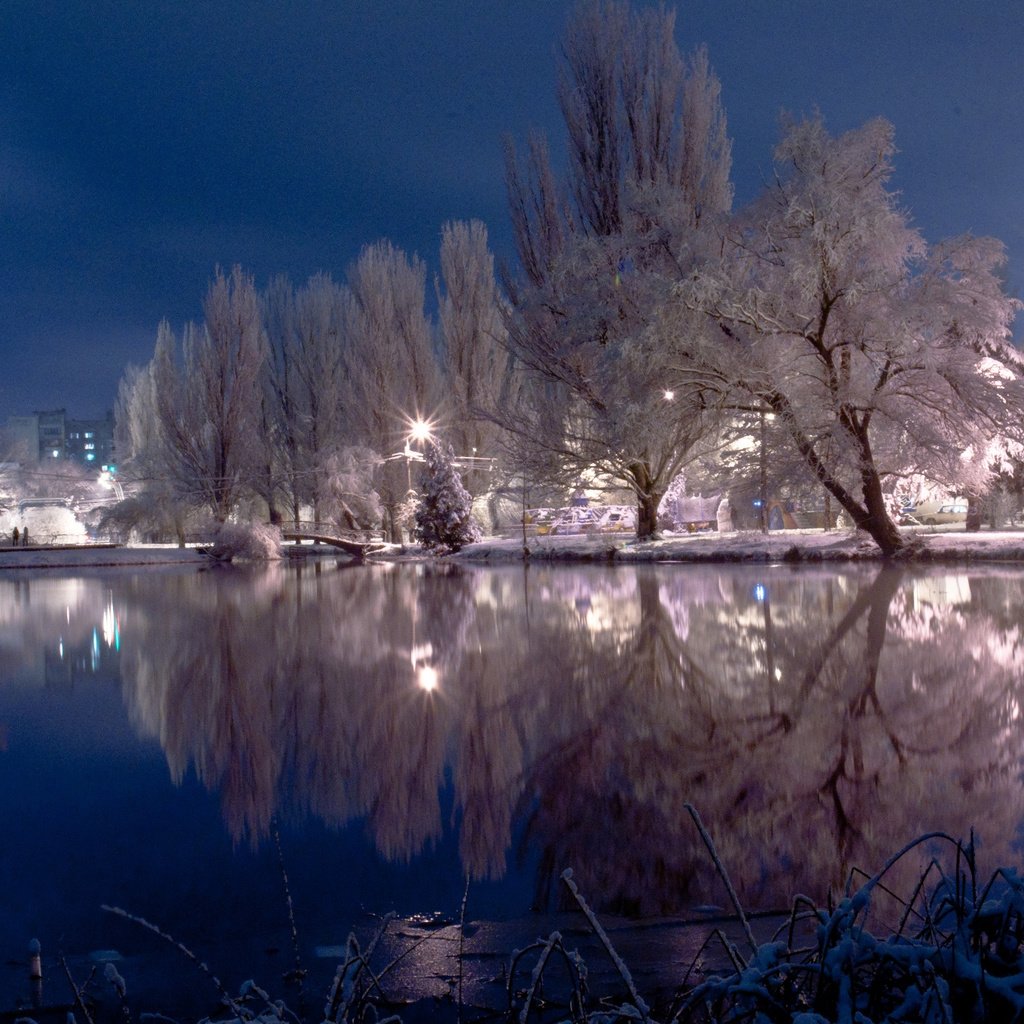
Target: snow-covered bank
98,555
783,546
788,546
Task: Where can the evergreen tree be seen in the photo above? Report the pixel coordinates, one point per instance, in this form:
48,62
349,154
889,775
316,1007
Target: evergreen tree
444,520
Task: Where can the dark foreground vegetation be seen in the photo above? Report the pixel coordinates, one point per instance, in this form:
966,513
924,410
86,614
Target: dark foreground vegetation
951,949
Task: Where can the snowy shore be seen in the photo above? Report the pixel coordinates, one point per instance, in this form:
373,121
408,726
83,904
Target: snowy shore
795,546
99,556
783,546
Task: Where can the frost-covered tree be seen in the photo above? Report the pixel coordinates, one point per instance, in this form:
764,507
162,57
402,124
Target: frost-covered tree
876,355
648,176
345,486
305,381
391,369
444,517
207,404
474,360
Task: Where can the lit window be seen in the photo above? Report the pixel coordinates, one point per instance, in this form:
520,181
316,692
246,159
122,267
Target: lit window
89,446
88,433
56,453
89,457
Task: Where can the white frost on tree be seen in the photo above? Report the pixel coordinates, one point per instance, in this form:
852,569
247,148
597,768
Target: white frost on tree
391,369
444,519
207,404
472,334
648,178
826,309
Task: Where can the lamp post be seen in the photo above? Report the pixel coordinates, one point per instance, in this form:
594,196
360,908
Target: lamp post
419,430
765,418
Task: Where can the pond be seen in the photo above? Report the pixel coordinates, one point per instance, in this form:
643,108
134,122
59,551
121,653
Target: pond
180,743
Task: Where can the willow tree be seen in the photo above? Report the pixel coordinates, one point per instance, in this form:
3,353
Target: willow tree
648,175
878,355
206,399
472,334
305,385
392,376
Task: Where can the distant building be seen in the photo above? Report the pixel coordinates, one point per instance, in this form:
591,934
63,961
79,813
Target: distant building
90,442
22,439
51,435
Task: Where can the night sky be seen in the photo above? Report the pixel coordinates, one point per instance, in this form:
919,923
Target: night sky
144,143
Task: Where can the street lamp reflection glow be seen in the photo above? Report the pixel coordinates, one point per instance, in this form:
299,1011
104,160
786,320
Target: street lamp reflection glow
427,678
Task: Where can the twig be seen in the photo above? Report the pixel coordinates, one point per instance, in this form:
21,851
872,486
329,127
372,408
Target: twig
230,1002
79,1002
620,965
723,874
298,972
462,945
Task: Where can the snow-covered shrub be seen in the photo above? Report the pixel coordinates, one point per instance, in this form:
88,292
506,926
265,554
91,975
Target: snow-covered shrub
444,518
251,542
346,487
52,524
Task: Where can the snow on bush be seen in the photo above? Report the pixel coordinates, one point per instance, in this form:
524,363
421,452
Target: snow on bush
250,542
50,524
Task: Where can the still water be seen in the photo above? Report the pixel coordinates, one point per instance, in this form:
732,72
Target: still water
170,739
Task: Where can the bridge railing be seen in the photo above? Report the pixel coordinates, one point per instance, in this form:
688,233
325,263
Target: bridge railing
327,529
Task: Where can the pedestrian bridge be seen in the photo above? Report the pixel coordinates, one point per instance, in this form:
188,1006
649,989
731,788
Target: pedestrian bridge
358,543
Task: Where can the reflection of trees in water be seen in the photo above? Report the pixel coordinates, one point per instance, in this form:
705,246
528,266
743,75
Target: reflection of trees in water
833,739
816,721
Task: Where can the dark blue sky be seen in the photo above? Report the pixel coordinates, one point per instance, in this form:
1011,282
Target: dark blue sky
142,143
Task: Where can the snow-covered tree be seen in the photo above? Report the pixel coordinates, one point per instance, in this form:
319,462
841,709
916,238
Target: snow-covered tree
306,385
345,486
444,517
391,369
472,334
876,355
207,404
648,176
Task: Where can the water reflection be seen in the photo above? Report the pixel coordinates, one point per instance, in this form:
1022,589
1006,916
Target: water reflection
817,720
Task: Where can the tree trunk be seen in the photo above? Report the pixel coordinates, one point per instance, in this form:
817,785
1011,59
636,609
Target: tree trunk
873,517
973,524
648,498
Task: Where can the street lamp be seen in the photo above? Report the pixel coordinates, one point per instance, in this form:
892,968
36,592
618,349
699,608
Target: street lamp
110,482
419,430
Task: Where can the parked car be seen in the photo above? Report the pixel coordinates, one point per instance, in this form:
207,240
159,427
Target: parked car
615,519
934,513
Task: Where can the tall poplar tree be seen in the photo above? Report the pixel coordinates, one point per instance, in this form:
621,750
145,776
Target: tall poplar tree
648,176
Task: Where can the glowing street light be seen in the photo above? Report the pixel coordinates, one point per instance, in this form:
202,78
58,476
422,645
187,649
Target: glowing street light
110,482
420,430
669,395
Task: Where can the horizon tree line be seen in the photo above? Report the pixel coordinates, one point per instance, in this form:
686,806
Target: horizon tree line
648,327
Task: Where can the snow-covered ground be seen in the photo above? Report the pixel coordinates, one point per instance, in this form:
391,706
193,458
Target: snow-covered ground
782,546
751,546
97,555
